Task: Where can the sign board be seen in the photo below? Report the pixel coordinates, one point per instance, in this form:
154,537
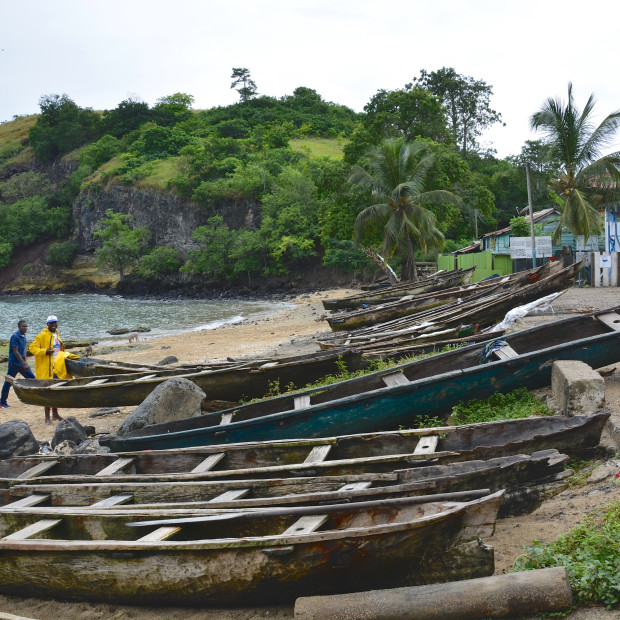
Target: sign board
591,245
605,262
521,247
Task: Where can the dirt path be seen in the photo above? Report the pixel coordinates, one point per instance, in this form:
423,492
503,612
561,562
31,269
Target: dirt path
287,333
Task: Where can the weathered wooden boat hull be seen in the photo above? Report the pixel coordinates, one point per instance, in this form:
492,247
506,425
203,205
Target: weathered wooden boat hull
438,283
525,479
242,559
428,387
225,384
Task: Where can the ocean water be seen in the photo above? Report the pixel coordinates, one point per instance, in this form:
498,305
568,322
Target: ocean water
89,317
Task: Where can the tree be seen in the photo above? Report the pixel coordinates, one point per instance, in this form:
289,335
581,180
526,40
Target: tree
247,90
587,179
466,102
395,173
121,245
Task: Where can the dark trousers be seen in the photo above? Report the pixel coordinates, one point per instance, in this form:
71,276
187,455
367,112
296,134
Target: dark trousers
12,372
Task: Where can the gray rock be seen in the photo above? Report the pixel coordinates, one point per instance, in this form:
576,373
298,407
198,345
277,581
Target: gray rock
174,399
65,447
69,429
601,473
16,439
90,446
104,411
171,359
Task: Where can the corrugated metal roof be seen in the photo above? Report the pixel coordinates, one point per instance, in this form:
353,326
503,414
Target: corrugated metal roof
537,216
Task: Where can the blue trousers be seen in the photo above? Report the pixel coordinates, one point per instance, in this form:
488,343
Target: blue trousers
12,372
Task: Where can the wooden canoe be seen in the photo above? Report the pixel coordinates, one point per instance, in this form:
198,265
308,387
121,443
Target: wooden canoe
414,304
525,478
482,312
230,384
241,558
435,283
398,396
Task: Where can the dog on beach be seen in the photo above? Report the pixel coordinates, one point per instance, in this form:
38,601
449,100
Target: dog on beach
133,338
88,351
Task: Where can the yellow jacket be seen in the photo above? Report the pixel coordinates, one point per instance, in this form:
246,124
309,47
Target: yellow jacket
43,363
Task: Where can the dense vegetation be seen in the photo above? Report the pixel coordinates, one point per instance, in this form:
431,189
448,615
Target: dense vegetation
290,156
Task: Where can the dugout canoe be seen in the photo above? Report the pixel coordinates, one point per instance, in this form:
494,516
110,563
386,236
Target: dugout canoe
330,456
414,304
230,384
526,479
401,395
481,312
437,282
242,558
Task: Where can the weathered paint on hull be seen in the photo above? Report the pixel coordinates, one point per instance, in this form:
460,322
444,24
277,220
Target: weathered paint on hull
389,408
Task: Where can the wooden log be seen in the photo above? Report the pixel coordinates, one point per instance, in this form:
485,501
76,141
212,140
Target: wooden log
513,594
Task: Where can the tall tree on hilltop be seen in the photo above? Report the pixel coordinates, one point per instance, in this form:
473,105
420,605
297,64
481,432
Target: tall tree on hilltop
247,90
467,104
395,173
587,180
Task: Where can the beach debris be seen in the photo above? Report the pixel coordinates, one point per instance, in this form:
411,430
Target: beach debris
65,447
91,446
104,411
16,439
125,330
174,399
69,429
171,359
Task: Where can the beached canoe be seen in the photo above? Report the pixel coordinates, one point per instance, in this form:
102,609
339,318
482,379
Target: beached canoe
242,558
437,282
402,395
230,384
526,479
414,304
481,312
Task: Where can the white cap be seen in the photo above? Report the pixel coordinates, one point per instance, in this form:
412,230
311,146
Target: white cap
52,319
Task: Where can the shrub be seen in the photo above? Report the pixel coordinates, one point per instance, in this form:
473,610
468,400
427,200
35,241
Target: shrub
6,250
162,261
62,253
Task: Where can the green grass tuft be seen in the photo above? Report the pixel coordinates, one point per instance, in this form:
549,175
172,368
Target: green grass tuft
319,147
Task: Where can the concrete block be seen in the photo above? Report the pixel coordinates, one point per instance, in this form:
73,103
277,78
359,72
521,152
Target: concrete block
576,388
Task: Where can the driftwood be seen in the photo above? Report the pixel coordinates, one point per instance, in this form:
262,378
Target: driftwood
514,594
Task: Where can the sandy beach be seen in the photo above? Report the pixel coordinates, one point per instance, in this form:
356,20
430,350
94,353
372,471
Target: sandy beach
287,333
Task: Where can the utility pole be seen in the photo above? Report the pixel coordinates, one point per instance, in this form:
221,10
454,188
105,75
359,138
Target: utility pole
529,204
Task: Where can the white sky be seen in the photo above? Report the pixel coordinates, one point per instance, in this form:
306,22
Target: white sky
102,52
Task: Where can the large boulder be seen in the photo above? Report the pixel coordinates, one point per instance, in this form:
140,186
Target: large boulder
69,430
16,439
174,399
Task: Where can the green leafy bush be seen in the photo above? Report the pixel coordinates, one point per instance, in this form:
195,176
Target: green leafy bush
511,406
6,249
62,253
160,262
591,554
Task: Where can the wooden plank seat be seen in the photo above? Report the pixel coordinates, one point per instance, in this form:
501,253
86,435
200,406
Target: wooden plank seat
98,381
115,467
113,500
26,502
611,319
38,469
394,379
301,402
427,444
318,454
226,418
57,385
209,463
356,486
306,525
33,530
231,495
161,533
505,352
146,377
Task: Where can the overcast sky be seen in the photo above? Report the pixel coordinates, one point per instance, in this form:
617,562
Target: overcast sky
102,52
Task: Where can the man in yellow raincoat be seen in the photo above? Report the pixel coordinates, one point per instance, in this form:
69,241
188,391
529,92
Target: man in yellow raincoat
45,348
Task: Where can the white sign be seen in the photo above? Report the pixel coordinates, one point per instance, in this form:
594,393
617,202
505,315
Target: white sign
521,247
606,262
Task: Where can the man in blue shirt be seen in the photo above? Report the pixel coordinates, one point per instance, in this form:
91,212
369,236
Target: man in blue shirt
17,360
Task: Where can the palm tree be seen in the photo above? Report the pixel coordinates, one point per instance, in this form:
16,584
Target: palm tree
587,179
395,172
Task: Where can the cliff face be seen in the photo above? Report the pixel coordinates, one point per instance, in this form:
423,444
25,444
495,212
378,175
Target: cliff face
170,219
